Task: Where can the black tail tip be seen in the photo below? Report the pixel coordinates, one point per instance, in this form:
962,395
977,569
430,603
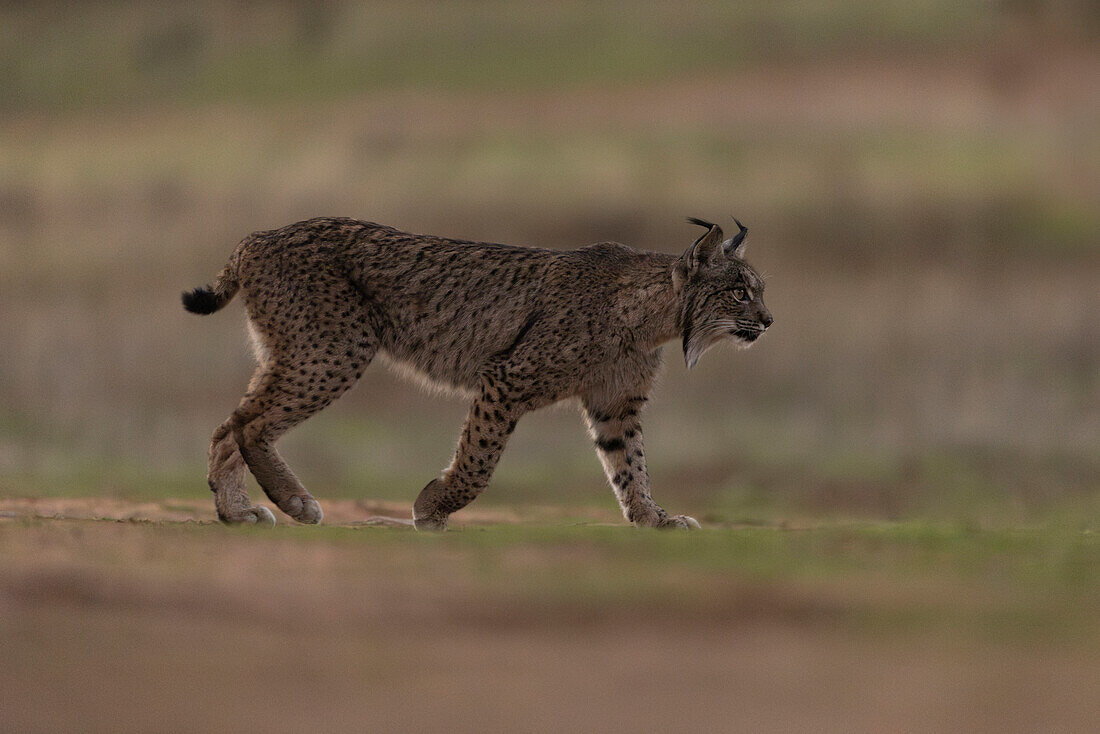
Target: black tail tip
201,300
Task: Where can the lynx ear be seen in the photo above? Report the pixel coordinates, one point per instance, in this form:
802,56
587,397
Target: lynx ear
704,250
735,245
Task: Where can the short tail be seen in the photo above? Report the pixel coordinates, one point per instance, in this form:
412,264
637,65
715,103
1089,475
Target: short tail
210,298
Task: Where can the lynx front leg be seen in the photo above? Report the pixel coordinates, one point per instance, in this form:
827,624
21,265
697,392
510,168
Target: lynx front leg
617,432
491,420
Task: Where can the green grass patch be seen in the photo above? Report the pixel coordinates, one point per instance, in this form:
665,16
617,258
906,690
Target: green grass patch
1001,585
127,53
1038,583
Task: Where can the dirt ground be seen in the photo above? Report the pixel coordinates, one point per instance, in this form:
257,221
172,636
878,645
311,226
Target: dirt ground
348,513
119,616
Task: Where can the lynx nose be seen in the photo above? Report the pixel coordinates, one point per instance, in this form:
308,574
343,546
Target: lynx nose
766,319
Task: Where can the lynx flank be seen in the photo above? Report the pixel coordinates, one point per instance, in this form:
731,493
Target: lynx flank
514,328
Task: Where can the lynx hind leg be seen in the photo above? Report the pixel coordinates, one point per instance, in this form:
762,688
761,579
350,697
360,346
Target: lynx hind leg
227,480
311,334
284,397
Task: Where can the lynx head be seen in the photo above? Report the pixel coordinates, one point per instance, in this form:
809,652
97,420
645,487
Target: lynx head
722,296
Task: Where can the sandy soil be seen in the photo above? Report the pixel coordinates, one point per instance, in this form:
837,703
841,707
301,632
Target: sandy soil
344,513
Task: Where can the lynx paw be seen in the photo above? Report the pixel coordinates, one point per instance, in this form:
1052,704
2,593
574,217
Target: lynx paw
681,521
431,524
655,517
427,510
303,509
259,516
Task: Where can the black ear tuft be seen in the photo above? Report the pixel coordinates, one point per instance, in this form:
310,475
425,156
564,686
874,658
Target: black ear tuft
701,222
736,245
738,238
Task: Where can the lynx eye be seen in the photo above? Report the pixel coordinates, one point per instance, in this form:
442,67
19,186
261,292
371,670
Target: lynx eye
739,294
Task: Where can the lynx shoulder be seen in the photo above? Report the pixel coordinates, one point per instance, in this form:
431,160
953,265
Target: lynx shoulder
514,328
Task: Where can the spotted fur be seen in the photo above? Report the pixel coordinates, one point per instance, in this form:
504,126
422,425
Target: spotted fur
513,328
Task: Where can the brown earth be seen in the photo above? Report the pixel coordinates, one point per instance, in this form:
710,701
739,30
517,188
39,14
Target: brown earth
153,618
348,513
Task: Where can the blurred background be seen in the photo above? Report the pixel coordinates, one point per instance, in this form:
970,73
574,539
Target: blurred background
920,180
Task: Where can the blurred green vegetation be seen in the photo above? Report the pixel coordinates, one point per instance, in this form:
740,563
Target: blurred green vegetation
918,577
128,53
920,181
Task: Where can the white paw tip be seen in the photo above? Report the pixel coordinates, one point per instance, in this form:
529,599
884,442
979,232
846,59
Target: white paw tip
262,516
